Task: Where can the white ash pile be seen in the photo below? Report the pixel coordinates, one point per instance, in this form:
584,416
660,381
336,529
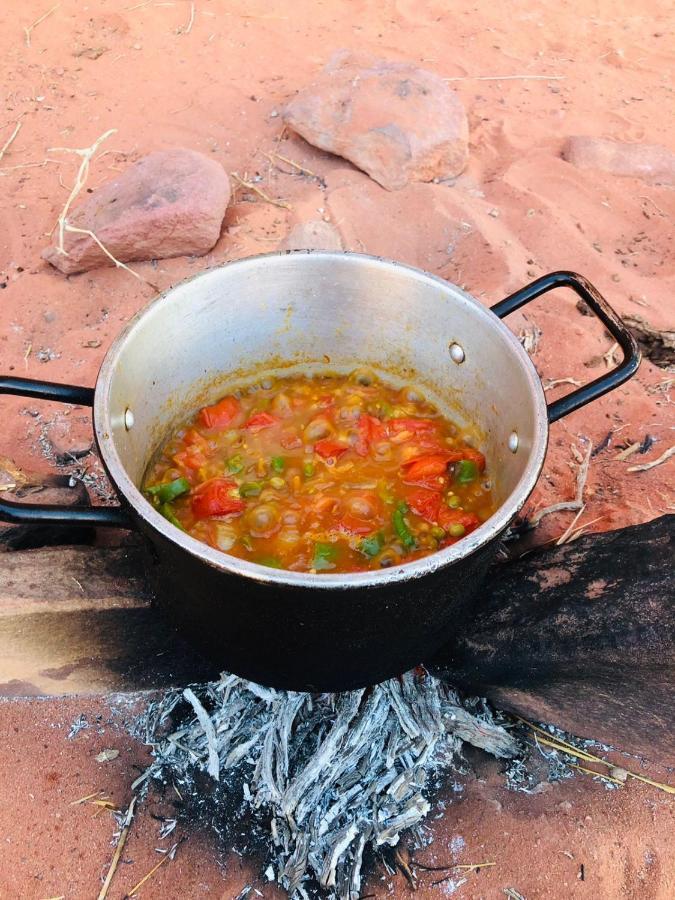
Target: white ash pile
327,775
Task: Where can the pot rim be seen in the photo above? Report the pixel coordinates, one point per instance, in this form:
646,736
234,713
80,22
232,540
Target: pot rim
441,559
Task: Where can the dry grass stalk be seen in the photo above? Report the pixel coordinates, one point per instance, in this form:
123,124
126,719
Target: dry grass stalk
88,797
29,29
6,145
256,190
561,746
290,162
128,819
34,165
169,855
554,382
188,28
596,774
665,456
64,226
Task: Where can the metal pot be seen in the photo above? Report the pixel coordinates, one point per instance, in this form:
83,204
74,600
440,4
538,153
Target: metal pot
333,311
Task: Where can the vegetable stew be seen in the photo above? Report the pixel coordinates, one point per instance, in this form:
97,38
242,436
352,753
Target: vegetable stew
323,473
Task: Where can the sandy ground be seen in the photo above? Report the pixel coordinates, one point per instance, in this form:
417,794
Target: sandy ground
573,840
215,83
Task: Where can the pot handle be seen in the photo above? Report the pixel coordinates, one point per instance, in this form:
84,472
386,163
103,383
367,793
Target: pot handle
609,318
42,514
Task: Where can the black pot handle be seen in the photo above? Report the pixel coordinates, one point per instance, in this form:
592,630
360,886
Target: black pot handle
35,513
599,306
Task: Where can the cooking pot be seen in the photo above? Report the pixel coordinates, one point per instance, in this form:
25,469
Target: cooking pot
331,311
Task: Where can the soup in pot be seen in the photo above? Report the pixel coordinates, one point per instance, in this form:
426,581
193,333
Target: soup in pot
323,473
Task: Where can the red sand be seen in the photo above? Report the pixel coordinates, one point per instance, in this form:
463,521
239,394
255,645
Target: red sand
215,89
50,848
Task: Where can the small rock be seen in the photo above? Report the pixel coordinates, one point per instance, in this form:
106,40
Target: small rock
396,122
106,755
313,235
542,788
618,773
650,162
565,806
169,203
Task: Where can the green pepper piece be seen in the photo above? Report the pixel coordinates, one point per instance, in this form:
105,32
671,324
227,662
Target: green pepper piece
250,489
370,546
401,527
324,555
466,471
169,490
272,561
278,463
308,469
235,464
167,511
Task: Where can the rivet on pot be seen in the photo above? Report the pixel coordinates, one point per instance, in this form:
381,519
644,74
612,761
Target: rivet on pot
456,353
128,419
513,442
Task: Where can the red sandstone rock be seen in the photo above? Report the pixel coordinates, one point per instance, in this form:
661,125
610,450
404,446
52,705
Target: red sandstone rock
169,203
650,162
395,121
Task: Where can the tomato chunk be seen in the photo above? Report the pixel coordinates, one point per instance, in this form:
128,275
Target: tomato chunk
416,426
215,498
370,430
426,466
329,449
260,420
426,503
221,413
353,525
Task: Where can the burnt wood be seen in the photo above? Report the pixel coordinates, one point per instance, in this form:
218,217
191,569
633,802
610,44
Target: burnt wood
582,636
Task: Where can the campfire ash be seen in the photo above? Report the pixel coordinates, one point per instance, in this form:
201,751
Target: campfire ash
331,774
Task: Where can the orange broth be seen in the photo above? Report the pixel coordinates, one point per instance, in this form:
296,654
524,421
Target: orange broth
323,473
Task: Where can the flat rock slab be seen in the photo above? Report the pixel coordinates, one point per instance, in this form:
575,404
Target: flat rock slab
574,839
169,203
396,122
650,162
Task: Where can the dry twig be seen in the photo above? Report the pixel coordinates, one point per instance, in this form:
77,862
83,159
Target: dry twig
256,190
86,154
9,140
302,169
629,451
554,382
609,356
128,818
29,29
569,505
665,456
